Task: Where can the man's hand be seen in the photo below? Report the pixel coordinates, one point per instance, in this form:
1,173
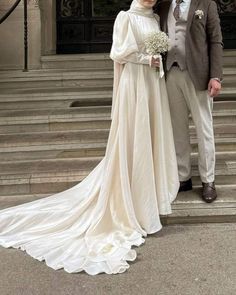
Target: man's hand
214,88
155,62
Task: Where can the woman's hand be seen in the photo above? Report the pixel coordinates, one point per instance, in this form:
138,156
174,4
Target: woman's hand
155,62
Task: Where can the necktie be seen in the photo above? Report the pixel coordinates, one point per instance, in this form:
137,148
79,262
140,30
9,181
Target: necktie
177,9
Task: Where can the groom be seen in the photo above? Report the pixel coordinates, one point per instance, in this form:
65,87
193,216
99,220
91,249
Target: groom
194,74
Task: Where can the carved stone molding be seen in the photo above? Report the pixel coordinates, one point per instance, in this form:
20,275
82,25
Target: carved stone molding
109,8
226,6
71,8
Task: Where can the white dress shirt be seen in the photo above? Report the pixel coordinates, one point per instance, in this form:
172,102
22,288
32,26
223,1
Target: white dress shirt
184,9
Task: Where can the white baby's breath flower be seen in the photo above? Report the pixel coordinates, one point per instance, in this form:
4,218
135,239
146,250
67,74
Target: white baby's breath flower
199,13
157,43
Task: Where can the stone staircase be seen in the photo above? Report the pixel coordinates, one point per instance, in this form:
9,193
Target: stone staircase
54,125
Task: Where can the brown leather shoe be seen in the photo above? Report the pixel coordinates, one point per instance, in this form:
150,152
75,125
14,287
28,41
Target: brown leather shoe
209,192
185,186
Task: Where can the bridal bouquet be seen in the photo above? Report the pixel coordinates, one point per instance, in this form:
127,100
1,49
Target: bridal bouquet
157,43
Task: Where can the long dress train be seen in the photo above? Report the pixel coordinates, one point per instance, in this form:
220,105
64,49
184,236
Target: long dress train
93,226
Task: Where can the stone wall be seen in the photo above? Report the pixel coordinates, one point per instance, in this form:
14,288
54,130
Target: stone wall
12,36
48,17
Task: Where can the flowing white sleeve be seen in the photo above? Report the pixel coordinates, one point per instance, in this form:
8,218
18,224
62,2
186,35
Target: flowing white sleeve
124,47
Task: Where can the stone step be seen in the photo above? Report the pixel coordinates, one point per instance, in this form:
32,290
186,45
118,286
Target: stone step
54,151
53,89
48,176
229,77
47,165
227,94
75,122
224,160
30,98
32,101
187,208
55,119
43,73
11,201
45,112
54,100
49,183
93,100
51,176
223,117
64,99
222,131
79,118
78,80
81,61
34,115
57,138
225,105
221,144
52,95
229,58
56,123
50,150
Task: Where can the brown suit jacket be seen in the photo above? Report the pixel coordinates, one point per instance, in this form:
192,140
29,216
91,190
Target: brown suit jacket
204,47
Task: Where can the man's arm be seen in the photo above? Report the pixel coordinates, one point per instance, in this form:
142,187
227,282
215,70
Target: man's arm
215,43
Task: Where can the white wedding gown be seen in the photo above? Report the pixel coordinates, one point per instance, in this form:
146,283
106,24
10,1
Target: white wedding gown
93,226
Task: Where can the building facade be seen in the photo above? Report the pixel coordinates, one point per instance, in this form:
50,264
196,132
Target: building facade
75,26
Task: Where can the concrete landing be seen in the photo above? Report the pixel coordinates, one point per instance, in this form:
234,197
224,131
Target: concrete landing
179,260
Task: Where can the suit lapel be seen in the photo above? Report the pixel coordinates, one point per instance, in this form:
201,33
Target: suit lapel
192,9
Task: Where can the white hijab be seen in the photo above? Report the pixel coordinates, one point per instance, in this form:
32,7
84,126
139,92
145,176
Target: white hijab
137,8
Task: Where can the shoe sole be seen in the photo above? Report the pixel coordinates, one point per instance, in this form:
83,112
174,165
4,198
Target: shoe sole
209,201
185,190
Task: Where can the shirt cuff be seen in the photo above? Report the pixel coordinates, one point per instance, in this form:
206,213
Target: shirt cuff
217,79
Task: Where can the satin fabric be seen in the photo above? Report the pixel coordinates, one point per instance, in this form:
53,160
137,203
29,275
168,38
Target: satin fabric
93,226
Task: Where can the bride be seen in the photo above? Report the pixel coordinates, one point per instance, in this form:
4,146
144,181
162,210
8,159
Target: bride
93,226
